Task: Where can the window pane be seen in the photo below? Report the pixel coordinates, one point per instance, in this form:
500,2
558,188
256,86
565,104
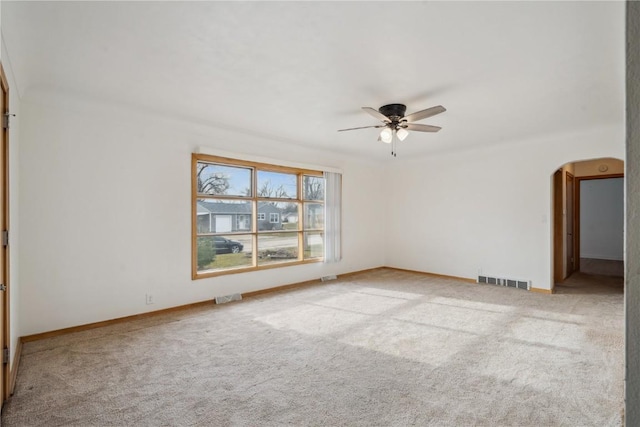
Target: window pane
290,216
313,216
223,216
277,185
313,245
277,247
313,187
277,216
224,252
228,180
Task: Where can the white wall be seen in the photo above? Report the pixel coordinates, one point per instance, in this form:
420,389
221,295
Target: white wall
488,210
105,205
602,219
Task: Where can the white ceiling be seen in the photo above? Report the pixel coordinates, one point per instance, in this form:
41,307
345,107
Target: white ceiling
298,71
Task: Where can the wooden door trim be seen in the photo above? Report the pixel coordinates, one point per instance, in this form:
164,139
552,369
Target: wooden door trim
558,227
576,209
4,250
575,264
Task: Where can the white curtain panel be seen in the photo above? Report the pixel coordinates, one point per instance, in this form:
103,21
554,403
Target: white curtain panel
333,217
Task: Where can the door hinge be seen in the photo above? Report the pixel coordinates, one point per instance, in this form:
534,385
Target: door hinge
6,118
5,238
3,287
5,355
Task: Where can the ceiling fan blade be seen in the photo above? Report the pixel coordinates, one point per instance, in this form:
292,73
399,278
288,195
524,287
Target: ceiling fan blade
362,127
377,114
423,114
421,128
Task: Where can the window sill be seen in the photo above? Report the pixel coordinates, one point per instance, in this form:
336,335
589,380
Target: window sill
203,275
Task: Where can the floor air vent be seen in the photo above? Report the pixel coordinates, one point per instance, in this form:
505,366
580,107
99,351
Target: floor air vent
509,283
228,298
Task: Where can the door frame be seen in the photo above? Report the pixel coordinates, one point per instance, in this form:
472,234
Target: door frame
561,266
558,227
576,209
5,330
572,265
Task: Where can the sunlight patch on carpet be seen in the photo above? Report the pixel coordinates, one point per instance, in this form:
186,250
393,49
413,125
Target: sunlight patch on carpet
413,341
362,303
475,305
313,319
562,317
454,318
544,368
390,293
548,332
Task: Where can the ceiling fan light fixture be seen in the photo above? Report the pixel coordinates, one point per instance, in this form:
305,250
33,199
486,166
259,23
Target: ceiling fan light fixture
402,133
386,135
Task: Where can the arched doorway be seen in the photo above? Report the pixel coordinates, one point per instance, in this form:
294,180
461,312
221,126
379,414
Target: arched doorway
588,205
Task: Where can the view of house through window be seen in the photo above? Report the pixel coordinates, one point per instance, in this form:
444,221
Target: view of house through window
249,215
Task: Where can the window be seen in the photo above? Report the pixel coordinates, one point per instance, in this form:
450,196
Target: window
249,216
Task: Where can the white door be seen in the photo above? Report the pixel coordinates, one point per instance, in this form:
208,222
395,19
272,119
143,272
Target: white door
243,222
223,223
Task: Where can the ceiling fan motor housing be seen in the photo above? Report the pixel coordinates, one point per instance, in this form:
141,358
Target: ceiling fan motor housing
393,111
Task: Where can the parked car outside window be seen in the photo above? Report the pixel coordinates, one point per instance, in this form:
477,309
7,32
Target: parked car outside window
227,246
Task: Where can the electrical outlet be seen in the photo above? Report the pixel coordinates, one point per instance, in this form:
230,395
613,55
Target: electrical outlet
149,299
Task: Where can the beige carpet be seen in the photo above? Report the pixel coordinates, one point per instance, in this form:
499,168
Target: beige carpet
603,267
375,349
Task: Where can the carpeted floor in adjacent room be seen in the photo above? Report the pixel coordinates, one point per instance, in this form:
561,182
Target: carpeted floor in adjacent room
379,348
